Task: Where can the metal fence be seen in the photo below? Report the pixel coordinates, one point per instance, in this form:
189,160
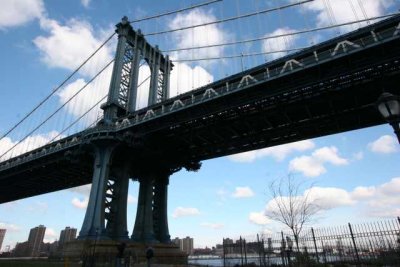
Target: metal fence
368,244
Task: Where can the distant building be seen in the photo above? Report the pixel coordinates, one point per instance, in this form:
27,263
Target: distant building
177,241
2,234
21,249
229,246
35,241
66,235
185,244
48,249
203,251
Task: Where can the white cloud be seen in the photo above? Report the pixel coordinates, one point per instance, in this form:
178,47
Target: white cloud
198,36
391,188
343,10
50,235
10,227
385,144
363,192
279,43
18,12
185,78
375,201
212,225
87,98
277,152
381,200
143,87
85,3
258,218
307,165
318,199
329,154
312,166
28,144
327,198
243,192
80,203
67,46
184,212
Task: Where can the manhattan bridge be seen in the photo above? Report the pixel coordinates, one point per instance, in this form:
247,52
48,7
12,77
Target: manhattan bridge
313,91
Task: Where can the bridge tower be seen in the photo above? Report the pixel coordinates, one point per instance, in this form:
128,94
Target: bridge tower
106,214
132,48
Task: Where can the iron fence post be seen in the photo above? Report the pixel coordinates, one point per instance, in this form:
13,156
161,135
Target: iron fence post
259,250
245,251
283,250
354,244
241,251
315,244
223,251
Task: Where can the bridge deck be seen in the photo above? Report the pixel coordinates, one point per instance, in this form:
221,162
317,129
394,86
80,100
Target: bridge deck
329,88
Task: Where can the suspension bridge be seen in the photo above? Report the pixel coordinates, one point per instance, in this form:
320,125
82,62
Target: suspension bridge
323,89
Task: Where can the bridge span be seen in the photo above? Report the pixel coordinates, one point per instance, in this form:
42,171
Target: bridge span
325,89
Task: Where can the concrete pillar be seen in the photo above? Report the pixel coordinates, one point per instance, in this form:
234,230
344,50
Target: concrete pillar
143,230
93,224
161,211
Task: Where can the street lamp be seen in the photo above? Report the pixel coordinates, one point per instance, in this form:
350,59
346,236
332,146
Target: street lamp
389,107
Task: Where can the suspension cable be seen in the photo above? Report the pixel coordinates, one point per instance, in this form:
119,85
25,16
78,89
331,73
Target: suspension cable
56,89
363,11
57,110
242,55
86,112
281,35
230,19
175,11
78,119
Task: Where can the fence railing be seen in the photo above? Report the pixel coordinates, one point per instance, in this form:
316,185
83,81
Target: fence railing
368,244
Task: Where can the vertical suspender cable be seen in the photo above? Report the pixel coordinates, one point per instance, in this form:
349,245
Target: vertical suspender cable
354,11
363,11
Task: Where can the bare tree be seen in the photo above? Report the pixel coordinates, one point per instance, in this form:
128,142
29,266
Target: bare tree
290,206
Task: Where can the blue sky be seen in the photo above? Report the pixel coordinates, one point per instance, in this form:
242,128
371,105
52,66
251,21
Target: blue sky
355,174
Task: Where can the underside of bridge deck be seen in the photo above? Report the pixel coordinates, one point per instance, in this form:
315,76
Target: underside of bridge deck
329,98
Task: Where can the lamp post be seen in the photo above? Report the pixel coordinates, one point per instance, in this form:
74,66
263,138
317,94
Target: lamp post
389,107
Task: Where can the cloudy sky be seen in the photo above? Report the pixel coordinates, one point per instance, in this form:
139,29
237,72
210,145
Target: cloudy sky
355,175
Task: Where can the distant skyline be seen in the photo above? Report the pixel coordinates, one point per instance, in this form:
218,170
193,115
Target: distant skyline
356,174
